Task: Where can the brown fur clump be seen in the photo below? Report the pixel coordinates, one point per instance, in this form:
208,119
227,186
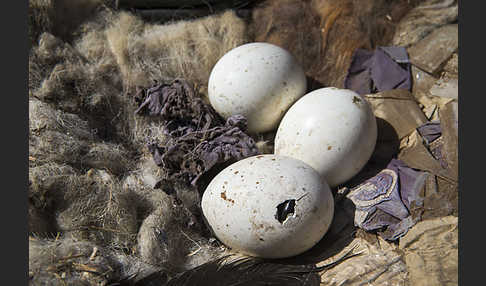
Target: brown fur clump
323,35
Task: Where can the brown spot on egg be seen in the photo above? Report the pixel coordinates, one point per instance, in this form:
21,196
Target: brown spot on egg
223,196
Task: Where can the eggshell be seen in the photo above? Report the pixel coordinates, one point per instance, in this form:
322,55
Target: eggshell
249,204
333,130
259,81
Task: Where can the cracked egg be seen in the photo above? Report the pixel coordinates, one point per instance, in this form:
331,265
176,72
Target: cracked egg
268,206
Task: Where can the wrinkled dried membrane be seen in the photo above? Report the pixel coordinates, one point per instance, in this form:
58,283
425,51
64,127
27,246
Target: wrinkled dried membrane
199,140
385,202
384,69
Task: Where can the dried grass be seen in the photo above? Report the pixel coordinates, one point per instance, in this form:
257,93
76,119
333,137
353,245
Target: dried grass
168,238
91,206
44,117
188,49
90,87
71,262
61,137
115,53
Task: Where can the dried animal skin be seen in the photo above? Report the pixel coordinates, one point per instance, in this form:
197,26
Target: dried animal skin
384,69
198,141
389,200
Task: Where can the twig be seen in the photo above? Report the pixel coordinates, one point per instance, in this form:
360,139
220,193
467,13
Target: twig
195,251
71,257
95,250
86,268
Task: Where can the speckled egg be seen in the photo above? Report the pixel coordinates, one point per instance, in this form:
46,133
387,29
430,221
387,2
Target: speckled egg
268,206
257,80
333,130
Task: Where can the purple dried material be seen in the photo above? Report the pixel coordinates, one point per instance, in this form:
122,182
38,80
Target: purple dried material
179,105
436,149
384,202
190,156
200,142
386,68
430,131
411,182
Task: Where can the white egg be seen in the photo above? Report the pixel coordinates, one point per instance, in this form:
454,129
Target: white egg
333,130
268,206
257,80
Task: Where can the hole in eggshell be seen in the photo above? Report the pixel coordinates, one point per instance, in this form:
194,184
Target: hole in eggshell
284,210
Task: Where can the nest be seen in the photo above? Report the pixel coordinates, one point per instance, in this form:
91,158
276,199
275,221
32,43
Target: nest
95,217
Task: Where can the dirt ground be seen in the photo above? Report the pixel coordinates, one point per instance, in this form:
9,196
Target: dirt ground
102,211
